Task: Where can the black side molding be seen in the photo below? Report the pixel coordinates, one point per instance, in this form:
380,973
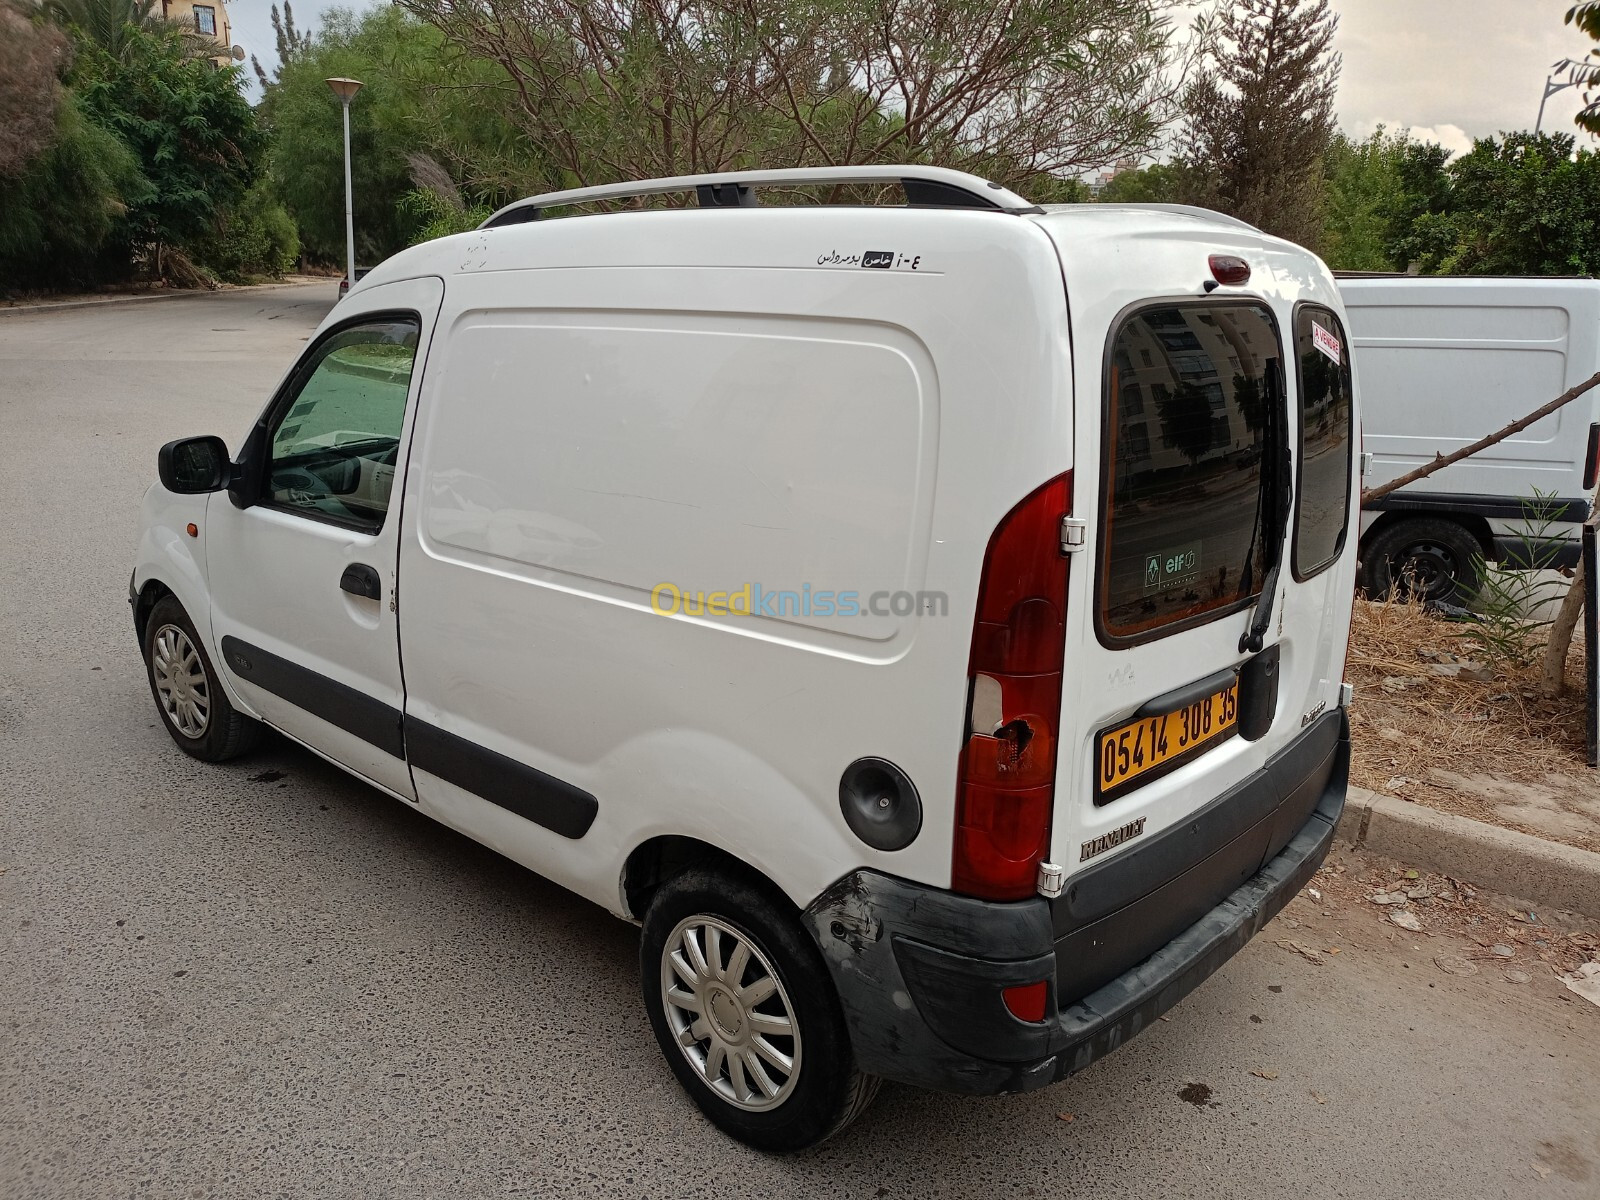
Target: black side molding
501,780
1559,509
1542,553
351,710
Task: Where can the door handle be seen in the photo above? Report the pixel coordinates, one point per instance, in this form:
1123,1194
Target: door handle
361,580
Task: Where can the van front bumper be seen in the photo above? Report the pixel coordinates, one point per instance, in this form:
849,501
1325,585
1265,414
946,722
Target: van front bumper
920,970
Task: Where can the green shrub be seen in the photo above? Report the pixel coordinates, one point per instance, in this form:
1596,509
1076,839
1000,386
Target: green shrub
61,219
431,216
257,238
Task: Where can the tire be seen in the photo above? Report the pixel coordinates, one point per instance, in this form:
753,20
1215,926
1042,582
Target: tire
193,706
714,916
1423,558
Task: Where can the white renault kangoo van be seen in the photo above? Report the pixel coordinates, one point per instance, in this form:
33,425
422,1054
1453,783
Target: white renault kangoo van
927,620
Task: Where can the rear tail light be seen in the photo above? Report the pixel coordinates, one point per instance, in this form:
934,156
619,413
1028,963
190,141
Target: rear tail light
1008,765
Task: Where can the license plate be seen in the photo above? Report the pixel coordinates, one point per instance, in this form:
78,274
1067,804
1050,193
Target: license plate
1147,747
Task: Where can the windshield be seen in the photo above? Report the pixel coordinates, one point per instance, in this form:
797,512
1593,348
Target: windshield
1190,411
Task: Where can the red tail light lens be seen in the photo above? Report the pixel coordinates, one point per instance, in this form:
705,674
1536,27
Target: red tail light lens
1008,765
1229,268
1026,1000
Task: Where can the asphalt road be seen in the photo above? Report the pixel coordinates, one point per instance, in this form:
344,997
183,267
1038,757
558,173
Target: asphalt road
267,979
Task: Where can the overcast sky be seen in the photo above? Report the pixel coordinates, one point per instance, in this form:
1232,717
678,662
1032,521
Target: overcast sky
1451,70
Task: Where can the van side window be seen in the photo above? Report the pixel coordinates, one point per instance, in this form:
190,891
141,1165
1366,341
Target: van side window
1186,512
1326,440
335,446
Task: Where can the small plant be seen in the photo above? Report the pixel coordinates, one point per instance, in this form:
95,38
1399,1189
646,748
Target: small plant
1514,593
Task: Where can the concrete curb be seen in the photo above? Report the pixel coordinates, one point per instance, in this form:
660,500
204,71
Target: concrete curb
1498,860
7,310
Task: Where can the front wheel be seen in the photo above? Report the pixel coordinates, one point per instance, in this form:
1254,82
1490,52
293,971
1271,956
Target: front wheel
745,1012
192,704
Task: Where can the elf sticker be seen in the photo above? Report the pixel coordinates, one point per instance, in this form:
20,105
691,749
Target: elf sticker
1327,343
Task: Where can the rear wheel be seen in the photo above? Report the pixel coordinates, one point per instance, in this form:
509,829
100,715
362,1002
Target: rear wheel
1422,558
193,706
745,1012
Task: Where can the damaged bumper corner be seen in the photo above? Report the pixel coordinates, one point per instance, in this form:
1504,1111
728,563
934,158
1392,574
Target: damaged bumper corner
920,971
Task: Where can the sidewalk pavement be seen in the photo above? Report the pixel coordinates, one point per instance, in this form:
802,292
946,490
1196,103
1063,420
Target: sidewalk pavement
1486,856
94,301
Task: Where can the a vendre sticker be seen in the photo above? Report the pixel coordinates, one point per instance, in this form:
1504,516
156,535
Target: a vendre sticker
1326,342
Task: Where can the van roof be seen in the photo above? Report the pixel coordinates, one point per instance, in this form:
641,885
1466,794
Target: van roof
928,190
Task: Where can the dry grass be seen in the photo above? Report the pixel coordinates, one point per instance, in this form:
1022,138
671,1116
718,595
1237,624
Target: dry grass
1416,733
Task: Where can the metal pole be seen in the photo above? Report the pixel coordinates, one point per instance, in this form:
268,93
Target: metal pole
349,203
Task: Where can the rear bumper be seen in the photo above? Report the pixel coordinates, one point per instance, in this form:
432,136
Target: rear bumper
920,970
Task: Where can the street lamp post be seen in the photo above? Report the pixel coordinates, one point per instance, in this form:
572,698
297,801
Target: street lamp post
346,90
1550,89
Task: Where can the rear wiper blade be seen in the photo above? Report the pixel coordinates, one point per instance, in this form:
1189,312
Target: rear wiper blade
1254,639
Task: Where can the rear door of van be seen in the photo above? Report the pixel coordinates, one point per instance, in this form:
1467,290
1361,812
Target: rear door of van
1209,608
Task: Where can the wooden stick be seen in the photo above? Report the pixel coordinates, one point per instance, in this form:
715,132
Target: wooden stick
1441,461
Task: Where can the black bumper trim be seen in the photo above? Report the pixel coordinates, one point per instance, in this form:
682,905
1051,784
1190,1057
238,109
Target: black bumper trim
919,970
1141,868
1121,911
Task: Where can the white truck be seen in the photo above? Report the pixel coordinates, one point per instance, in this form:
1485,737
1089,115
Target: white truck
1443,362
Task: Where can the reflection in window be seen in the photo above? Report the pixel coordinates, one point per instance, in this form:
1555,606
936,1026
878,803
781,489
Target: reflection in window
1326,440
1185,519
205,19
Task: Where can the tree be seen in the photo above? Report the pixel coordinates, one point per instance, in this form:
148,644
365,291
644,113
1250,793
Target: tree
61,214
423,96
1023,91
1188,422
115,25
1525,205
192,133
1363,181
1586,72
1159,183
31,59
290,44
1417,230
1259,120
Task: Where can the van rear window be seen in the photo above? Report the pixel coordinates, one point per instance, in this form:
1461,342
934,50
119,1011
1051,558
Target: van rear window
1190,415
1326,439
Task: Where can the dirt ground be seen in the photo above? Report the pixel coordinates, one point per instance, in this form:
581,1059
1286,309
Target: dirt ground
1372,917
1440,721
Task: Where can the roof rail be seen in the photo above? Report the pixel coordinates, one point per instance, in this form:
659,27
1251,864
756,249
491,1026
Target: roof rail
925,187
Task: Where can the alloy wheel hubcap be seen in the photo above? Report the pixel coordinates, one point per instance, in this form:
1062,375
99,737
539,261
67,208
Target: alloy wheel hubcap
729,1013
180,680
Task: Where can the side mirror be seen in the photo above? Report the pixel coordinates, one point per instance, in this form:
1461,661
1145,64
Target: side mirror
190,466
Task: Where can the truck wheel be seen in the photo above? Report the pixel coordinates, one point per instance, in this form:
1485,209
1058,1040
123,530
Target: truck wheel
1422,558
192,704
745,1012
